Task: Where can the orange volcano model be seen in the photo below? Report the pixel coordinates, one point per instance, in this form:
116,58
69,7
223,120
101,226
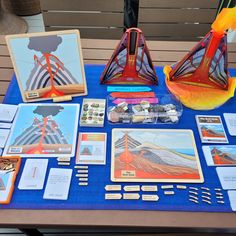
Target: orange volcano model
201,78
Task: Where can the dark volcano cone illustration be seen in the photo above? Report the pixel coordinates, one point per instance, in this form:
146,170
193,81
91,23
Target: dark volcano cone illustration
131,62
49,77
43,134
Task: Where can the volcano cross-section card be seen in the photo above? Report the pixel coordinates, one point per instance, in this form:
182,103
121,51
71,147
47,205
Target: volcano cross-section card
152,155
48,65
44,130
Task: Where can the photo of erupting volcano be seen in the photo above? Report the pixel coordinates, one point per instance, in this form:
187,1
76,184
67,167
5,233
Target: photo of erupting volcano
220,155
48,65
147,155
44,130
212,131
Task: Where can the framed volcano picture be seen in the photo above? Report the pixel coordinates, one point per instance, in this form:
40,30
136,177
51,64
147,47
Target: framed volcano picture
44,130
155,155
48,65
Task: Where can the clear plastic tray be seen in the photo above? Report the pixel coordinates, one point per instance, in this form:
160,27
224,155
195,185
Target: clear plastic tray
163,109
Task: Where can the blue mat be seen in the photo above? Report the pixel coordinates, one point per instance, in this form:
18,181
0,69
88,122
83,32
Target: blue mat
92,197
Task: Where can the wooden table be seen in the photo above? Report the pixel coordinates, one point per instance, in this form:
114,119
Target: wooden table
99,51
117,221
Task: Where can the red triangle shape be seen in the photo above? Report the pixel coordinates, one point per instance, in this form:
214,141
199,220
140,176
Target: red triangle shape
131,62
205,65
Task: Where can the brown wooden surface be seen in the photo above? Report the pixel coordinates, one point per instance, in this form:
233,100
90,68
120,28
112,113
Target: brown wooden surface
85,218
83,19
6,68
176,20
95,18
78,5
180,3
176,15
93,33
166,31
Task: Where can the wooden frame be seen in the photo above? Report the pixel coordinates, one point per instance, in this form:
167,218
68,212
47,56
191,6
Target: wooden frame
37,148
125,163
16,167
32,88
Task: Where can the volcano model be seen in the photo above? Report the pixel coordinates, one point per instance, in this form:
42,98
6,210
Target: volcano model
131,62
201,79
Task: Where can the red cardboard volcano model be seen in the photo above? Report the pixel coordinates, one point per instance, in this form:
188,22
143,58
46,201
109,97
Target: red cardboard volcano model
201,78
131,62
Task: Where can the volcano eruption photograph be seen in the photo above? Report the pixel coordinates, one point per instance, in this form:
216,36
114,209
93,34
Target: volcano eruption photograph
155,155
44,130
48,65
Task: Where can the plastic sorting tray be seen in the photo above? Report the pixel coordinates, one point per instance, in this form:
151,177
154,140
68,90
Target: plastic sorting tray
161,109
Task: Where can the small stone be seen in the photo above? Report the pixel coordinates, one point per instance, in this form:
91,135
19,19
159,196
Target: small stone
169,107
113,117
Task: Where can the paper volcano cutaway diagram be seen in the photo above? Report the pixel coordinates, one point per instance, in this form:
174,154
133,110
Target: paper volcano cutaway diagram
49,77
40,78
154,156
48,64
43,134
44,130
131,62
201,79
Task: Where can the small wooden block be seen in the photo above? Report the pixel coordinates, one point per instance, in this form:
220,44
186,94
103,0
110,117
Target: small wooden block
149,188
83,183
62,98
181,187
113,187
63,159
193,188
193,192
167,186
82,171
193,200
150,197
169,192
206,197
205,188
207,201
132,188
194,197
63,163
83,179
81,167
221,202
113,196
131,196
82,175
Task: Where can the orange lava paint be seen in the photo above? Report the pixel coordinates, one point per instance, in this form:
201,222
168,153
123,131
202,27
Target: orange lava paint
144,175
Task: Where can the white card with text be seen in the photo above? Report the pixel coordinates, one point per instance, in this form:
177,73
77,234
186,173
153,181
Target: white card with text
7,112
4,133
230,120
227,176
58,184
33,175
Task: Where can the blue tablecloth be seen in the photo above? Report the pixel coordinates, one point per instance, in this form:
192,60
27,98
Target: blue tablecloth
92,197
